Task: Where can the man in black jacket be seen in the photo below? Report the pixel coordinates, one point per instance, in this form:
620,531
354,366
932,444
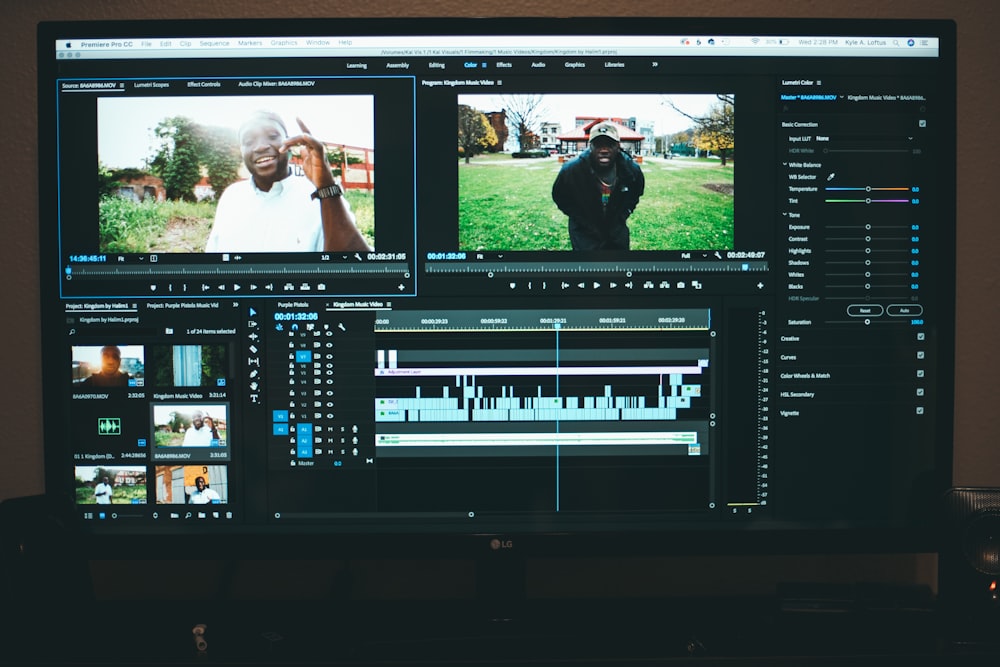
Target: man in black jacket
598,190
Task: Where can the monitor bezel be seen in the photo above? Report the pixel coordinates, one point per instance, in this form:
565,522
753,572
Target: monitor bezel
272,542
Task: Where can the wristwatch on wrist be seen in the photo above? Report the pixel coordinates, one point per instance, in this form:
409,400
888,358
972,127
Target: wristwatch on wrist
327,192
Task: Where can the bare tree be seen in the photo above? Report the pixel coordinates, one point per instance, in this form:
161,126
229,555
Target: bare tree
525,112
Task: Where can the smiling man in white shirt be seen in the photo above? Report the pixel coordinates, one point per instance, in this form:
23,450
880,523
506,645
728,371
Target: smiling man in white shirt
275,211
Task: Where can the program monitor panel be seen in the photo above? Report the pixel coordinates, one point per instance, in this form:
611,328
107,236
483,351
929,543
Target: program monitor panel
459,278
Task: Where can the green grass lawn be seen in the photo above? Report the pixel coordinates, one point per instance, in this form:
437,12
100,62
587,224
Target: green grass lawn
121,495
506,204
170,439
183,227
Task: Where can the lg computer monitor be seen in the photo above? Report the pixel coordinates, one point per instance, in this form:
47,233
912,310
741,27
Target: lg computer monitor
640,285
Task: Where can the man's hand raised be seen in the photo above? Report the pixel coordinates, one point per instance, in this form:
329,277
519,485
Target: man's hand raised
313,155
339,230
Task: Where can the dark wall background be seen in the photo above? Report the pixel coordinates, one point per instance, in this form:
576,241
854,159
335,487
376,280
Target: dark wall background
977,458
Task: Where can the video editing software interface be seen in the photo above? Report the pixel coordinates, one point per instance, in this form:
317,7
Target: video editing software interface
460,282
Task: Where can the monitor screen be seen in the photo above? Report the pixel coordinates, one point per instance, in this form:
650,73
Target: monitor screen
278,302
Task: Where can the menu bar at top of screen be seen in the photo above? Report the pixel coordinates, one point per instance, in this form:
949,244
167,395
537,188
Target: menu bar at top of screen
426,46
